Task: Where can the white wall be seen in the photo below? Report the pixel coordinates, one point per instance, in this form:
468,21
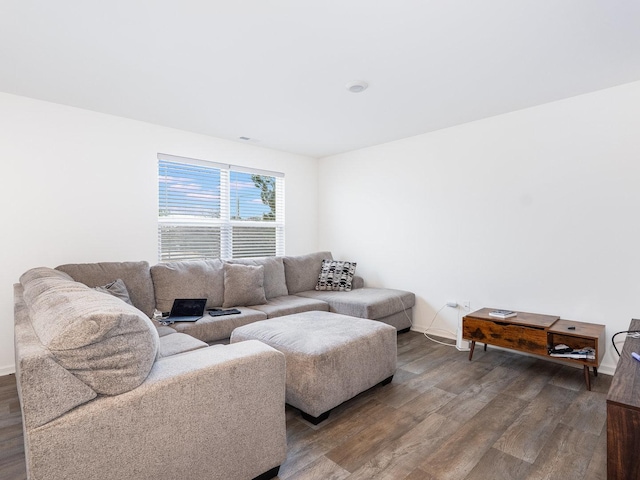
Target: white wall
79,186
562,178
535,210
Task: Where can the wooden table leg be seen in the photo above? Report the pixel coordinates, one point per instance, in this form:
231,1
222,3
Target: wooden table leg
485,347
595,371
587,378
473,345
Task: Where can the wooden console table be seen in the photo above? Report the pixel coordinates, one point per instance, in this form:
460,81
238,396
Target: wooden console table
623,414
534,333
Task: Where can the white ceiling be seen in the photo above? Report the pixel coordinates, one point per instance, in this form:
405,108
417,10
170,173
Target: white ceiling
276,70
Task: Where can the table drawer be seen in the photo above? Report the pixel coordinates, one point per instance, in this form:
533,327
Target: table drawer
504,334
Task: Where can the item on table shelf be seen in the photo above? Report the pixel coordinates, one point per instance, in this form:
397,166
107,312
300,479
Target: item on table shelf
581,353
561,348
502,313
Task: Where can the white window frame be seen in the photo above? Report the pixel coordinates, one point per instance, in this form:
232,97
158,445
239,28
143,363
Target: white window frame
225,223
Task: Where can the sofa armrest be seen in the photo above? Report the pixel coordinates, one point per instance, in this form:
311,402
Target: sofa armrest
216,412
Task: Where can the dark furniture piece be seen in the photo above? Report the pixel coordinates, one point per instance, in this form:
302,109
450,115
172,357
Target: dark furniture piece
535,333
623,414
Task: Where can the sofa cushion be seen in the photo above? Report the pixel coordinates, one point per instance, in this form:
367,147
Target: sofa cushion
163,330
336,275
243,285
39,279
175,343
188,279
135,275
212,329
107,344
288,304
118,289
302,271
371,303
275,283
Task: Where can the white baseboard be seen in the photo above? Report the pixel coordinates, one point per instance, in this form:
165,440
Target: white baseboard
7,370
462,345
435,333
606,370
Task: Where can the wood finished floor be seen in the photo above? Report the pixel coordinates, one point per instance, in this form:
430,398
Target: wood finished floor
501,416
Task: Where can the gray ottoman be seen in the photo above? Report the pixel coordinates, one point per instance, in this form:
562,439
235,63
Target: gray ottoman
330,357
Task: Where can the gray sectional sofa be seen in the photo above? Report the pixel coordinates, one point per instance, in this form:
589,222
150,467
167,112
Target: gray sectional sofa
289,287
108,393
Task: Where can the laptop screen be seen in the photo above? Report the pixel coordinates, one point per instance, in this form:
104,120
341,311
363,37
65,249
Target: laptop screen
183,307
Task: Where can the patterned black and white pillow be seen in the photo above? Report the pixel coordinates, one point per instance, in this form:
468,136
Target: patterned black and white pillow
336,275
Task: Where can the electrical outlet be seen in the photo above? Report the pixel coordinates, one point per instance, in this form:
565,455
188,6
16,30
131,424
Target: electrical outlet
466,305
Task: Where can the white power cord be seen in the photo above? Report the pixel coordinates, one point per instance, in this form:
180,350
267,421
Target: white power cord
404,310
438,330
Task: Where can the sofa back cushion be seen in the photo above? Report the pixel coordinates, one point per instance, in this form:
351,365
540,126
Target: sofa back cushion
188,279
135,275
302,271
107,344
243,285
275,284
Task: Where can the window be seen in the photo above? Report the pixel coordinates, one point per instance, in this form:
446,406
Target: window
212,210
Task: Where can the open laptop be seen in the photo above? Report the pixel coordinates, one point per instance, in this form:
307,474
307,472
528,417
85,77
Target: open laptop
187,309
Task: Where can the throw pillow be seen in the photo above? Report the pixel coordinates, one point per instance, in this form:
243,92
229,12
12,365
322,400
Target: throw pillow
336,275
117,288
243,285
275,283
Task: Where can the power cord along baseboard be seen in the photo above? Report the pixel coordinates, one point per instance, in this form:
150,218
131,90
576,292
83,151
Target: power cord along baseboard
448,304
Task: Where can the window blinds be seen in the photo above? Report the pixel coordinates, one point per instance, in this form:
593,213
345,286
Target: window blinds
212,210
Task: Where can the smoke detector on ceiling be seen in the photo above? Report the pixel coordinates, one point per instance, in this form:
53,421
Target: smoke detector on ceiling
357,86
